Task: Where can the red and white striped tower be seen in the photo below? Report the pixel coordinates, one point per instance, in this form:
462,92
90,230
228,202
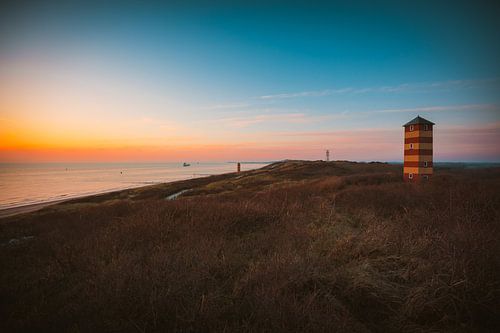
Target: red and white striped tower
418,150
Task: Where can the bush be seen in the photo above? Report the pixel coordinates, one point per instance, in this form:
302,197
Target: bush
353,250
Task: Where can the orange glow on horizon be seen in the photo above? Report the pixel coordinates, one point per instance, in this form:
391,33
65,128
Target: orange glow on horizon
348,145
39,131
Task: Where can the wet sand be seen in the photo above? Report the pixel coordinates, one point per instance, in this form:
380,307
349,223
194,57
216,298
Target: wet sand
27,208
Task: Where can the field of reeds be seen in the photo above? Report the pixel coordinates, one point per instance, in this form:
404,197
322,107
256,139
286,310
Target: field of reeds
293,247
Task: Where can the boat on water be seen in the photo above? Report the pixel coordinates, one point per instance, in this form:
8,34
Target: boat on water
186,164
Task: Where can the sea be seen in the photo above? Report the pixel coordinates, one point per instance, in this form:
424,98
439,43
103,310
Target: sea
25,184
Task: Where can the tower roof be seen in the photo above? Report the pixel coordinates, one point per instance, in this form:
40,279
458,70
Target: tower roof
418,120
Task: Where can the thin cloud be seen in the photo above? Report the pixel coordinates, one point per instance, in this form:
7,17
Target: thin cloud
317,93
465,107
226,106
491,128
405,87
421,87
289,118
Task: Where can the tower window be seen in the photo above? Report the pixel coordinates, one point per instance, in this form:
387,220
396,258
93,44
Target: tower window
411,127
411,145
410,176
426,177
426,127
425,164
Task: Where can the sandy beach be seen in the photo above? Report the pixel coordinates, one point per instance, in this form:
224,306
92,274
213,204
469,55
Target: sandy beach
27,208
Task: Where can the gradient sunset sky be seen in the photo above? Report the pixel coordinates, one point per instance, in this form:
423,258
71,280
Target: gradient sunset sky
215,81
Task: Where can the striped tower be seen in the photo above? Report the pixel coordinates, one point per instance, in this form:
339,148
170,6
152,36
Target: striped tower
418,150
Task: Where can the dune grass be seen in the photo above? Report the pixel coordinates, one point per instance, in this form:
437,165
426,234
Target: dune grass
295,246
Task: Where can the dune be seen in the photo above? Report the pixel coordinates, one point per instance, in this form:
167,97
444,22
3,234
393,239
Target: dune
294,246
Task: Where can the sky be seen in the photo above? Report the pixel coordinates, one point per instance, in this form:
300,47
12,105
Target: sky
257,81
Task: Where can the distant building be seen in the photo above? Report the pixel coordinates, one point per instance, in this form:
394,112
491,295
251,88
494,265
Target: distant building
418,150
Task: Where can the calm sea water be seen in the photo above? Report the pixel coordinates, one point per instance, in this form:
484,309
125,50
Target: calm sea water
24,184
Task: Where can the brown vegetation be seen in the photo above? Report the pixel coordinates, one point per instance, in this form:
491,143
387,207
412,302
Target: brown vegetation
296,246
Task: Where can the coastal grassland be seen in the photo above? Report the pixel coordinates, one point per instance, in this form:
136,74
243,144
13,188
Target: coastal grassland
295,246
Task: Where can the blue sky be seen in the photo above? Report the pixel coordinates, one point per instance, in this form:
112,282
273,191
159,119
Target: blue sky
236,73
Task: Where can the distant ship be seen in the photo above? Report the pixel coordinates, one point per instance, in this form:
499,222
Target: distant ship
186,164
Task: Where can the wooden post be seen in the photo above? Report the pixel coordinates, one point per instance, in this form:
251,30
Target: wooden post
239,167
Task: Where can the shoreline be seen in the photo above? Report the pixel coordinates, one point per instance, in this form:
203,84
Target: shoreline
30,208
16,209
35,206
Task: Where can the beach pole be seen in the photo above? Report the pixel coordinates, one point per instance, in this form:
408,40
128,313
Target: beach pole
239,167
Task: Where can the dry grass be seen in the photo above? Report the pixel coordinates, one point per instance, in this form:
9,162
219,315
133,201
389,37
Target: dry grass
296,246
